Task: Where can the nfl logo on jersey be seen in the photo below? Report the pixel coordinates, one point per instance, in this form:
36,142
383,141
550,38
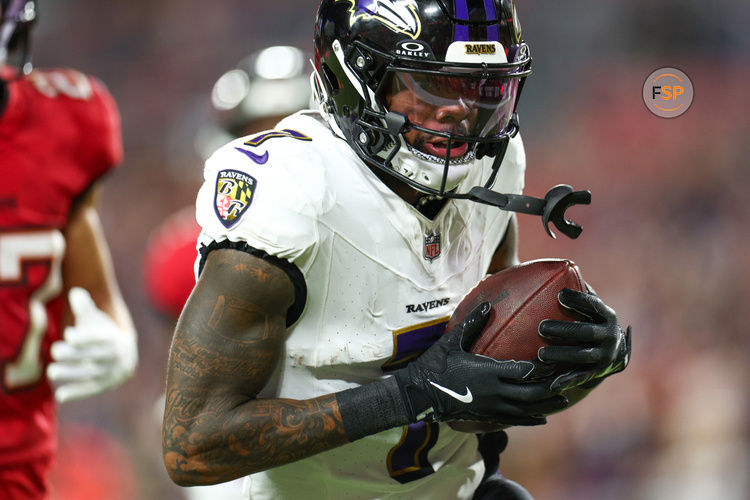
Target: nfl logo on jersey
432,246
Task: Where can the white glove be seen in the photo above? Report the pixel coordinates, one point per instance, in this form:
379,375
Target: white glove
95,354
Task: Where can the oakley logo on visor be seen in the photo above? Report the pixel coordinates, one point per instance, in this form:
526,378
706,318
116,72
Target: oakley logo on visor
411,48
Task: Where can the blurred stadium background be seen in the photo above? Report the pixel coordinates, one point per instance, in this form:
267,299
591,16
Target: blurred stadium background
665,242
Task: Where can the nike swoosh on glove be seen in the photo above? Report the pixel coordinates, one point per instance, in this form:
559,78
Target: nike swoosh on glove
453,384
95,354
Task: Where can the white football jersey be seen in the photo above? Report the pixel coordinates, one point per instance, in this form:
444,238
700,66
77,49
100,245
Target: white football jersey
382,281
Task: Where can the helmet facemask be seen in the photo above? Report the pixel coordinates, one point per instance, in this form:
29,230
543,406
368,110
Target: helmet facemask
428,123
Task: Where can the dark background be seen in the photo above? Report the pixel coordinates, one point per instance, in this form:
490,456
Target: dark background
665,240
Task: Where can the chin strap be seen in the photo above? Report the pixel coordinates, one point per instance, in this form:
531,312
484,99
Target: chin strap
551,208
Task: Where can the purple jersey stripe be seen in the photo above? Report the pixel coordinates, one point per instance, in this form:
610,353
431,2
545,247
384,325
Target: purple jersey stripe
489,10
461,33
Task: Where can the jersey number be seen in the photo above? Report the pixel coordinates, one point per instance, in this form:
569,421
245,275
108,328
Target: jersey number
407,461
17,252
69,83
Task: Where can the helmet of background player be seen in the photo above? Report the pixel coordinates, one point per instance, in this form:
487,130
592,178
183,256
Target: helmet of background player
16,19
421,89
263,88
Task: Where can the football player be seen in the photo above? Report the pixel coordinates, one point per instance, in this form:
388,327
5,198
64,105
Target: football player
312,353
62,318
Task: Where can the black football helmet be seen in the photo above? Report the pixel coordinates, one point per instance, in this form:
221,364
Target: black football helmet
467,53
16,20
447,74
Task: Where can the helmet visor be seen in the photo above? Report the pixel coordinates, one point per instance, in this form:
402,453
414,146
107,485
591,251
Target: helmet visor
473,105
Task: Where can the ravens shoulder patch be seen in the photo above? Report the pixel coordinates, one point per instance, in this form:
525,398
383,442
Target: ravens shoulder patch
233,196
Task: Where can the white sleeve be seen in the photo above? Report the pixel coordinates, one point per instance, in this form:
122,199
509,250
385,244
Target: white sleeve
245,200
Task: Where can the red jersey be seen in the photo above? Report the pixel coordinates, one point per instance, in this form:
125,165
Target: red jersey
59,132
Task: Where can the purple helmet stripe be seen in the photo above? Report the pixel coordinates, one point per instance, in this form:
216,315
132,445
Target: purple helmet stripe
461,31
489,9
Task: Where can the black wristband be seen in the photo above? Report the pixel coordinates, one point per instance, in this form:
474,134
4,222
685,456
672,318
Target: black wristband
372,408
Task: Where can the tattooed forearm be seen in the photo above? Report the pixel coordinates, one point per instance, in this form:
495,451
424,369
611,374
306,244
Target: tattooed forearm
254,436
225,348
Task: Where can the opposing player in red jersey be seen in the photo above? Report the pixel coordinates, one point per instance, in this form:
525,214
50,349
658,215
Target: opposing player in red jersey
62,318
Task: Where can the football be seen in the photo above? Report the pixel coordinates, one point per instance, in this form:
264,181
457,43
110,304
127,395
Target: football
521,297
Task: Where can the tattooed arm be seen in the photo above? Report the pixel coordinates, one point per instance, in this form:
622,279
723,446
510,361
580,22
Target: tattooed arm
225,347
227,344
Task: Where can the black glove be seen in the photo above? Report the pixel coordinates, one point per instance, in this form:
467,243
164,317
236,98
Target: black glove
597,348
457,385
